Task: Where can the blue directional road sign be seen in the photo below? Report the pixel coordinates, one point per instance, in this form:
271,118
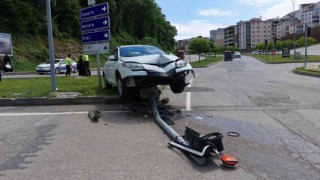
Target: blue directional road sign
95,24
98,10
96,36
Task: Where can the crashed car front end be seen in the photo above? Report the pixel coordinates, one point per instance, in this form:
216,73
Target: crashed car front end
148,74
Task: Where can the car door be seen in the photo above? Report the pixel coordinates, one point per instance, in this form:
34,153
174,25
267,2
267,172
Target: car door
62,66
111,67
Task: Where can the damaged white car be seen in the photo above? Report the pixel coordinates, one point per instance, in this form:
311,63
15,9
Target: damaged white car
135,68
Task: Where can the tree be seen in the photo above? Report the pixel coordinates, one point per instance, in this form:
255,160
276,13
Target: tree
301,41
199,45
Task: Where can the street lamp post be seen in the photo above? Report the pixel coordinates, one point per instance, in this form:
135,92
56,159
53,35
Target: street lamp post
294,29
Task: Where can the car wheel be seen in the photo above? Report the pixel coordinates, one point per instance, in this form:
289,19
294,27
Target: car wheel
178,86
57,71
122,89
75,70
106,84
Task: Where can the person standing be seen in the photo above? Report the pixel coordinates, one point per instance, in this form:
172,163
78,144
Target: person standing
86,63
68,65
81,67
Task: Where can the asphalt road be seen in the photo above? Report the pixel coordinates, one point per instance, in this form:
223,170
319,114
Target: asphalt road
312,50
275,111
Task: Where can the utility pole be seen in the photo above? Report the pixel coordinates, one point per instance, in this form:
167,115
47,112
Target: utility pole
266,42
51,48
306,46
294,29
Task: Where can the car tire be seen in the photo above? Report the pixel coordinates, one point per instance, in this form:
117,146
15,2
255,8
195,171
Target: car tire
57,71
178,86
106,85
75,70
122,88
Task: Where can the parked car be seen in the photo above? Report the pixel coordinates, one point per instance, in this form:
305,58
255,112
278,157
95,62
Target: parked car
136,67
59,67
228,55
257,52
237,54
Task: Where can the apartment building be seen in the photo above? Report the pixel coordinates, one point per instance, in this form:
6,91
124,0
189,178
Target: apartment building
308,14
247,34
230,37
244,35
255,31
218,37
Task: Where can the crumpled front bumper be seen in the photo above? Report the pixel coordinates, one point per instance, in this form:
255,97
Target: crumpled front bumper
151,77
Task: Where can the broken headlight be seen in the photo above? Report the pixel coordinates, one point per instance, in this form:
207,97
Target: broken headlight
180,63
133,66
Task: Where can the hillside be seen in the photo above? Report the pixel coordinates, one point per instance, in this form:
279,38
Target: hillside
132,22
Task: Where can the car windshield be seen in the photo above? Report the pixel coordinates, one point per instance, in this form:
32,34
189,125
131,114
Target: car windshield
133,51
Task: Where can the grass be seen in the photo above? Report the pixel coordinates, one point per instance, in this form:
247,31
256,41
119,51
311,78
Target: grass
41,87
280,59
309,69
206,62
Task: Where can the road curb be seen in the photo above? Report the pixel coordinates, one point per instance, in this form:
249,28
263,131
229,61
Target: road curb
44,101
306,73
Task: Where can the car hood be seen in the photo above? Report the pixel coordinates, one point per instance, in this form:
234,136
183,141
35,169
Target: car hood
44,65
151,59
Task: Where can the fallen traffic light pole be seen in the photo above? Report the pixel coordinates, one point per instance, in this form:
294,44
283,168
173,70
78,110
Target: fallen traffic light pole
199,148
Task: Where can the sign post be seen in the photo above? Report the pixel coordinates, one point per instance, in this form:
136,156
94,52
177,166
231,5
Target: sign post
53,77
95,28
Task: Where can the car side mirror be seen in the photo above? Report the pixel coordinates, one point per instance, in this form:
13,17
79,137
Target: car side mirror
112,58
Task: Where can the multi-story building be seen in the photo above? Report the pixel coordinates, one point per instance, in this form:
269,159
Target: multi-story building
284,28
308,14
247,34
255,31
230,36
218,37
244,35
213,34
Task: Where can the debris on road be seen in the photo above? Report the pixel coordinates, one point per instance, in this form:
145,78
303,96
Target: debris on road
165,100
94,115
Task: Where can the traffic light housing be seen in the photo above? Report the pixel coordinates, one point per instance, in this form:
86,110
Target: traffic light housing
266,42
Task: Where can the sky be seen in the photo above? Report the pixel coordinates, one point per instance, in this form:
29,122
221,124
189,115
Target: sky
194,18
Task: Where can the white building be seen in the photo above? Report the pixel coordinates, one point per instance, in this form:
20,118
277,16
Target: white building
309,14
244,35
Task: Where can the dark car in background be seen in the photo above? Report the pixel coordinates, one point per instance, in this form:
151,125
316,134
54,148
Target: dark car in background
228,55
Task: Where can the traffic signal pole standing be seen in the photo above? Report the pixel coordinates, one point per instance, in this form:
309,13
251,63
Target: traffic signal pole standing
266,42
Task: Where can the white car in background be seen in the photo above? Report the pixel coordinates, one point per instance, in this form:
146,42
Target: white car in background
59,67
136,67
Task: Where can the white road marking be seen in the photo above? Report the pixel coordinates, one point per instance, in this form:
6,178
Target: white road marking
55,113
188,97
